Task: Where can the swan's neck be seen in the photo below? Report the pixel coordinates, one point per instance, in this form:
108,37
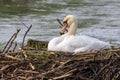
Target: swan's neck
72,28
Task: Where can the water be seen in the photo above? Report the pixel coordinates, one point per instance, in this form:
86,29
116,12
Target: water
97,18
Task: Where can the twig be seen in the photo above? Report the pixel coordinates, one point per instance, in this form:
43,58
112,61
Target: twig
8,42
25,57
103,68
25,35
8,62
19,63
4,67
24,24
22,77
93,69
61,24
61,77
12,40
15,46
11,57
71,71
30,64
32,67
55,69
28,71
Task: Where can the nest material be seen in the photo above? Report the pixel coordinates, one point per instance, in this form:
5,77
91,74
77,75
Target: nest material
33,64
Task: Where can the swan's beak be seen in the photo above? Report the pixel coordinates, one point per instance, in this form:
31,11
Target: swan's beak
64,27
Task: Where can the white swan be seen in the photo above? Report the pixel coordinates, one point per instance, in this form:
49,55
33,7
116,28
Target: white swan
70,42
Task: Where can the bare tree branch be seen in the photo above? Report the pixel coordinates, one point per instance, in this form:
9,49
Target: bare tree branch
25,35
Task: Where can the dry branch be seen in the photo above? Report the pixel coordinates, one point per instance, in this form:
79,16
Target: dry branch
12,40
25,35
11,57
62,76
28,71
61,24
104,67
15,46
8,42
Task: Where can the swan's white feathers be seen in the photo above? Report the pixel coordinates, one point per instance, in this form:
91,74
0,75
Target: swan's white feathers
76,44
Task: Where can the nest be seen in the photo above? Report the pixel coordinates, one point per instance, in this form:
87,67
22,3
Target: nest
35,64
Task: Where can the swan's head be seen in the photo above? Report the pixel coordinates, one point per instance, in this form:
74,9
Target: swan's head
68,20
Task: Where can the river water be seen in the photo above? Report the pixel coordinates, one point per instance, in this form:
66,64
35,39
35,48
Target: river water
96,18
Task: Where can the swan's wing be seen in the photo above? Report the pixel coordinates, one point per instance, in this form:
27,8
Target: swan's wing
80,41
52,45
70,43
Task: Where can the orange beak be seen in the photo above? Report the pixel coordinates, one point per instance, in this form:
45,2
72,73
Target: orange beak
64,26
